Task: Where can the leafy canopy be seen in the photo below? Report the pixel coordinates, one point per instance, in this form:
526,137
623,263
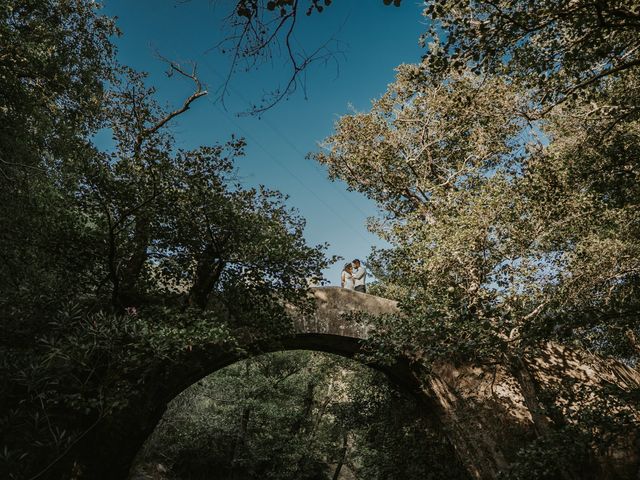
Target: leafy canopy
504,232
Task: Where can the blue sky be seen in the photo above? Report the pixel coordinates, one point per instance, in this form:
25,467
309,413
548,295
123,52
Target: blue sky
372,41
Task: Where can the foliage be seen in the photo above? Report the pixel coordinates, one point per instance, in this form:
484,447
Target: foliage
56,56
558,49
439,166
495,233
297,415
175,222
117,261
600,425
83,369
259,32
505,166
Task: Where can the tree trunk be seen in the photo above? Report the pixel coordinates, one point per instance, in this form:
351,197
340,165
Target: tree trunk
343,457
541,423
208,271
127,294
297,426
240,442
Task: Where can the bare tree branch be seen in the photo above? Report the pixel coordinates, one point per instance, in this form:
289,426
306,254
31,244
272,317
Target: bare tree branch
257,31
199,92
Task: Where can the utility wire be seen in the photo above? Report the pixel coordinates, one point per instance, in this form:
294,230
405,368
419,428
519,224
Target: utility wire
288,141
280,163
286,169
299,152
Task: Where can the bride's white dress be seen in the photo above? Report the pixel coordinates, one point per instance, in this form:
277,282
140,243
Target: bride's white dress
347,280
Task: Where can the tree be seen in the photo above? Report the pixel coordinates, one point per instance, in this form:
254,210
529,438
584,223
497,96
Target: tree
436,157
504,234
55,59
582,56
297,415
175,221
256,32
487,225
558,49
585,185
116,262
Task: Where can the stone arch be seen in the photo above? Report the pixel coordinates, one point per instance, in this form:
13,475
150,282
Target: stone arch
328,330
485,410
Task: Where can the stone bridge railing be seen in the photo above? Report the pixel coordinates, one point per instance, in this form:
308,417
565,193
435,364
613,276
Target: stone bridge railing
332,305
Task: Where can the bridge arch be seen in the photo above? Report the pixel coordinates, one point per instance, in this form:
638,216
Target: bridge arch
483,411
329,329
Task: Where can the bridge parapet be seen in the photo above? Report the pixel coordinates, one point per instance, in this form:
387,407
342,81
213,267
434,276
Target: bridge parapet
333,303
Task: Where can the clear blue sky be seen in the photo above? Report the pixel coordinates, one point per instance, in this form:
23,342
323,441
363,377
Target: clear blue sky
373,39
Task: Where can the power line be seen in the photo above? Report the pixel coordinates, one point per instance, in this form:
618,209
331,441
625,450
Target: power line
299,152
288,141
281,164
286,169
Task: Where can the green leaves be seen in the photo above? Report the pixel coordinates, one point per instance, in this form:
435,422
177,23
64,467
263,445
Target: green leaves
558,50
117,261
297,415
500,228
436,156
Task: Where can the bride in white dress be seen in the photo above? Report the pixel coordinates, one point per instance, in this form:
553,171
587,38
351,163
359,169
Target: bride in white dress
346,278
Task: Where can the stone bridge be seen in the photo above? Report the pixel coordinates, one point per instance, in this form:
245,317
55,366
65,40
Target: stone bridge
110,451
485,412
329,329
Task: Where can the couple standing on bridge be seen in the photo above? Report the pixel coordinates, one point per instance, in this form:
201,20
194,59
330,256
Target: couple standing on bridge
353,277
